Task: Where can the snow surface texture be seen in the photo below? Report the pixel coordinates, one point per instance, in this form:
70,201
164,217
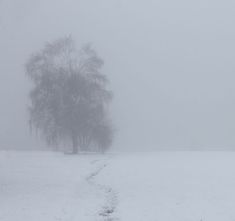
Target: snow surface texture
48,187
164,186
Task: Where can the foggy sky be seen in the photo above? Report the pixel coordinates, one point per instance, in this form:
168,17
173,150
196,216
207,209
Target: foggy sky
170,63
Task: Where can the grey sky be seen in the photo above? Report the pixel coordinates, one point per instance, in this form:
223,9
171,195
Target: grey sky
171,65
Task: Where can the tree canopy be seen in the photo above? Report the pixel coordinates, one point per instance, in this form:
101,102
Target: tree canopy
69,98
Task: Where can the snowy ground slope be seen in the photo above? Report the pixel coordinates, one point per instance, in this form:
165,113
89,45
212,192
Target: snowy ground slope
168,186
164,186
48,187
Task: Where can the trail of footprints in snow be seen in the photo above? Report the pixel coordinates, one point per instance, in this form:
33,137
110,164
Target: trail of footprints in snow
106,213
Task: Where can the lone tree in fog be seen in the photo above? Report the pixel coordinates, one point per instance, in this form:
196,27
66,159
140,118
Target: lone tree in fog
69,100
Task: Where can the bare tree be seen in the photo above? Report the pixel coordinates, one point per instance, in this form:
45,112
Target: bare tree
70,97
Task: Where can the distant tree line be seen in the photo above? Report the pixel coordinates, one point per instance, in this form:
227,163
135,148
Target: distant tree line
69,99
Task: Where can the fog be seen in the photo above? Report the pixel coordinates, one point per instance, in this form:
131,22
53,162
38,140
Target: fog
170,64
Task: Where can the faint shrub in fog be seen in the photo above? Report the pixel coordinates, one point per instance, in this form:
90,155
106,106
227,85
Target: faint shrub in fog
69,98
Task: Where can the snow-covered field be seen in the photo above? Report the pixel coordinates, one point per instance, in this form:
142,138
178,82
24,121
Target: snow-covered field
48,187
164,186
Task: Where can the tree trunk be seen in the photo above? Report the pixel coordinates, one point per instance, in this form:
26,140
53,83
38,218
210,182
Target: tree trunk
84,143
75,145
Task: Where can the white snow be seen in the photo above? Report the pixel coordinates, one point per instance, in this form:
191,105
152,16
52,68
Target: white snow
47,187
173,186
164,186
